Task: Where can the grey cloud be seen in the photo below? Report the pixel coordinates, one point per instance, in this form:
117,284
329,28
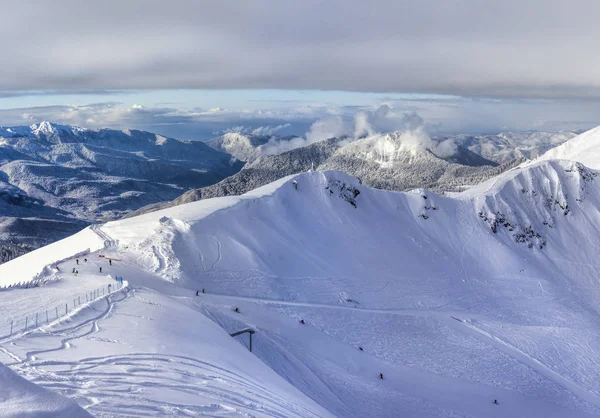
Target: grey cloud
537,48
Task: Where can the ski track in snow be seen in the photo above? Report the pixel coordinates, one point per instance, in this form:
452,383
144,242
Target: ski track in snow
108,241
122,385
461,325
218,260
531,362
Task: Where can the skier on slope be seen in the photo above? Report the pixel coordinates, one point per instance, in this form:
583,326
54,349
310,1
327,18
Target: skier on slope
100,269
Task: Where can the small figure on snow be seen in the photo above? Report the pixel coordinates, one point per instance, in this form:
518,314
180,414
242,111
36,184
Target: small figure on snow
100,269
496,402
302,321
237,310
361,349
197,293
381,376
85,260
295,183
110,261
57,269
77,261
76,272
203,290
73,269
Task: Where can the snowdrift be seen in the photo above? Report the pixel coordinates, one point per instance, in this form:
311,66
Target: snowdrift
20,399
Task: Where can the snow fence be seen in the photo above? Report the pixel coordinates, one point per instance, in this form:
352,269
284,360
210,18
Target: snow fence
46,314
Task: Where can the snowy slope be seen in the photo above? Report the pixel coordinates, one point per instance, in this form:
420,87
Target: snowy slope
458,300
584,148
56,179
20,398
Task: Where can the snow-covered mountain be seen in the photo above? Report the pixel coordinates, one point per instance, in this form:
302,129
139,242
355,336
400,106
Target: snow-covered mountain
53,178
505,147
584,148
245,146
365,302
500,148
391,161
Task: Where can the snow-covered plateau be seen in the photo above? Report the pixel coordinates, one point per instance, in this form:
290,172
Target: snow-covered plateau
364,302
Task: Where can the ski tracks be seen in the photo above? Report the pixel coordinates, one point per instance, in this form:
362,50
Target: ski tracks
528,361
108,241
218,260
30,366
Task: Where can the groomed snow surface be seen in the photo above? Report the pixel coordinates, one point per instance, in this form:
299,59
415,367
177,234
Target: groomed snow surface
492,294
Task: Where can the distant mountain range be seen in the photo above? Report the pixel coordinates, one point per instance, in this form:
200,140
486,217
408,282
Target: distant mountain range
56,179
505,147
389,161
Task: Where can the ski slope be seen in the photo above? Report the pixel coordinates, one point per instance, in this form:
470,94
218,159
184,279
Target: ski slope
490,294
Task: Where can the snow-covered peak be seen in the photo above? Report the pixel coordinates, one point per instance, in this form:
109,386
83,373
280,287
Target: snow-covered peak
43,127
49,129
584,148
241,145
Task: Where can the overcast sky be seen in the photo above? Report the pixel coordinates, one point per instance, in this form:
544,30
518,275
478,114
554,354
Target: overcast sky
473,65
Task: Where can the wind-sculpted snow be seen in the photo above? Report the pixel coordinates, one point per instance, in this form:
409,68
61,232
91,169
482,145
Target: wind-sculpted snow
65,177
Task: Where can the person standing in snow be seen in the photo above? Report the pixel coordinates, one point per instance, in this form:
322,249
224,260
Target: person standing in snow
110,261
100,269
77,261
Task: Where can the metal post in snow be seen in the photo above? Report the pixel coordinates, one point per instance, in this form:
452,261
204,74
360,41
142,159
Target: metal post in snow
79,300
73,303
46,316
11,326
57,311
67,308
36,319
250,342
26,323
86,297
